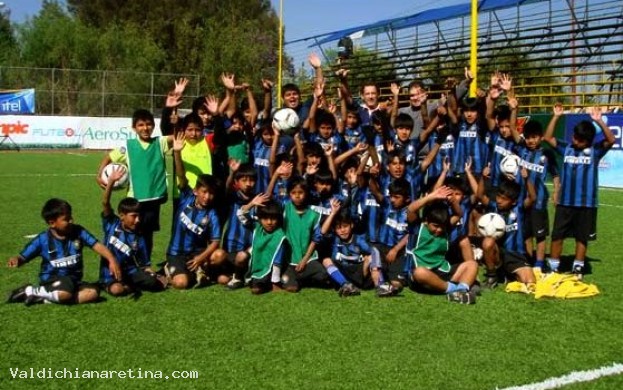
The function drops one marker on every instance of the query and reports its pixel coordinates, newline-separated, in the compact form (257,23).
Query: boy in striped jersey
(60,248)
(576,208)
(121,237)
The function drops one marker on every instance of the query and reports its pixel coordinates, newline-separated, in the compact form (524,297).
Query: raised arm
(609,138)
(267,87)
(514,106)
(551,126)
(116,174)
(441,193)
(335,208)
(180,172)
(395,90)
(252,104)
(228,105)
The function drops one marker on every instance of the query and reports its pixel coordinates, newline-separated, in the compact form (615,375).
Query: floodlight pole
(473,59)
(280,58)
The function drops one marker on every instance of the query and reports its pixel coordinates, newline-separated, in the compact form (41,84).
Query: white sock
(41,292)
(276,276)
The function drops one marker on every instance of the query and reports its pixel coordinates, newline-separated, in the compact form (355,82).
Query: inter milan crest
(77,244)
(512,217)
(204,221)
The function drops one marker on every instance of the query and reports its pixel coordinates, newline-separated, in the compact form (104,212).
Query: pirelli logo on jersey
(500,150)
(120,245)
(262,162)
(400,226)
(578,160)
(65,261)
(511,227)
(532,166)
(321,210)
(468,134)
(190,225)
(348,259)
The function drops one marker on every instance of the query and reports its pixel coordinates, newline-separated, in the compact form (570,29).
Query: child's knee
(86,295)
(116,289)
(241,260)
(327,262)
(180,282)
(223,279)
(218,257)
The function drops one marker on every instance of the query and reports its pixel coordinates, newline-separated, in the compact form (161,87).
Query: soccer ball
(510,165)
(492,225)
(108,170)
(286,120)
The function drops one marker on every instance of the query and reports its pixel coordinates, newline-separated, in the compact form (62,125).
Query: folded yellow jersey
(555,285)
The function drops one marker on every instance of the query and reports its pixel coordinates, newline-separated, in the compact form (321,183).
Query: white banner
(68,132)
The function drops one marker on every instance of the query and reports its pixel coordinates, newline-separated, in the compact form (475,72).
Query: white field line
(571,378)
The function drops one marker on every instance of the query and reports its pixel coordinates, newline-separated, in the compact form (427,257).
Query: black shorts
(263,284)
(354,273)
(577,222)
(139,280)
(394,271)
(314,275)
(177,265)
(446,276)
(149,213)
(65,283)
(512,261)
(536,224)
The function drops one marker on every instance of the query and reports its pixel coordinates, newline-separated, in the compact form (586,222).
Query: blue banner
(15,102)
(611,166)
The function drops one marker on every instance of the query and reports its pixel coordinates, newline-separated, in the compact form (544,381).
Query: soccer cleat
(462,297)
(201,278)
(18,295)
(235,284)
(348,289)
(386,290)
(32,300)
(492,281)
(578,271)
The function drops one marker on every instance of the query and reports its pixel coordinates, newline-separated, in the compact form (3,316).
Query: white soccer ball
(510,165)
(286,120)
(492,225)
(108,170)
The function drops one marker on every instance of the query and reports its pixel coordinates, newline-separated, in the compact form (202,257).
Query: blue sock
(463,287)
(553,264)
(451,288)
(336,275)
(539,263)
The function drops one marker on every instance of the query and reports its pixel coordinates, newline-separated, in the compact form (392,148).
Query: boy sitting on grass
(60,248)
(127,245)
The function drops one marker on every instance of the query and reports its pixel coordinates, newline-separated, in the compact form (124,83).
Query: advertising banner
(16,102)
(41,131)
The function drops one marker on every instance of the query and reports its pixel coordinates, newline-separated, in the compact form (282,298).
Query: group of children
(367,197)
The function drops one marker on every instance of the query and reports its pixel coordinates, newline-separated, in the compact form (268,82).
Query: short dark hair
(54,208)
(381,118)
(415,83)
(199,103)
(532,128)
(369,84)
(325,118)
(396,153)
(503,113)
(509,188)
(192,118)
(298,181)
(313,149)
(457,183)
(400,187)
(403,121)
(245,170)
(128,205)
(437,212)
(343,217)
(470,104)
(271,209)
(290,87)
(209,182)
(323,176)
(142,115)
(584,131)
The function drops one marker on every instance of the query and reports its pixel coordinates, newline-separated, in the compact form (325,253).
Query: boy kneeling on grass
(60,248)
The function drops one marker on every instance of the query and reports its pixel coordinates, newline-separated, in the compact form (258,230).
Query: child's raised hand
(311,169)
(506,82)
(173,100)
(178,141)
(211,104)
(328,149)
(495,79)
(243,87)
(233,164)
(486,172)
(267,85)
(259,200)
(389,146)
(332,107)
(318,90)
(468,74)
(595,113)
(341,73)
(468,164)
(314,60)
(395,89)
(117,173)
(558,109)
(494,93)
(335,205)
(228,81)
(375,169)
(513,103)
(442,193)
(285,169)
(361,147)
(180,86)
(446,164)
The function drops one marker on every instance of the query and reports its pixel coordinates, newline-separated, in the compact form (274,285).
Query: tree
(8,44)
